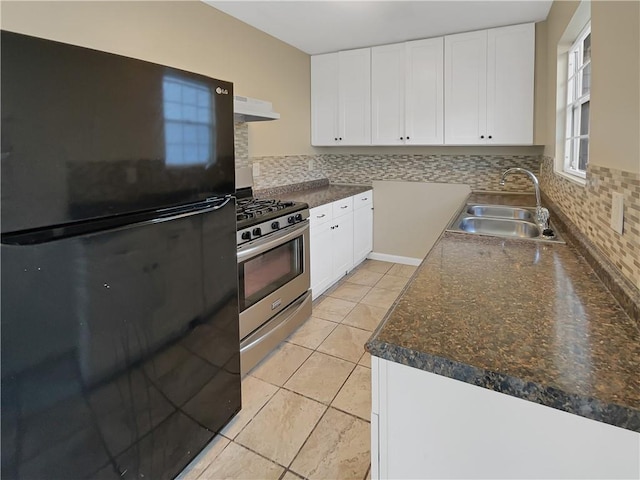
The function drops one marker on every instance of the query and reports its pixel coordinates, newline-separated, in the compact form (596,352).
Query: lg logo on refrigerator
(222,91)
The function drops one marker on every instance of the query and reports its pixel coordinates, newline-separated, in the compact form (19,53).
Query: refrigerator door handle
(187,214)
(53,234)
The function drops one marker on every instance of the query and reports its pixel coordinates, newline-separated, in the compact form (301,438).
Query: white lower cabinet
(334,244)
(342,240)
(321,248)
(426,426)
(362,226)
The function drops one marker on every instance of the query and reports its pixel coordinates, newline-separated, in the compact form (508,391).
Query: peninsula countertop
(319,195)
(524,318)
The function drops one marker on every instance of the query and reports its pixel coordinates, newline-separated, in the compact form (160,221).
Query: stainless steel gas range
(273,269)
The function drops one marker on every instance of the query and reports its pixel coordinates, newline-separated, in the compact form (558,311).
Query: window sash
(578,94)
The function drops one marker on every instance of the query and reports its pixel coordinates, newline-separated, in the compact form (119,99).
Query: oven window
(267,272)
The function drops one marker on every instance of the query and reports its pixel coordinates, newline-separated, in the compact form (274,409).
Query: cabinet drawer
(342,207)
(321,214)
(364,199)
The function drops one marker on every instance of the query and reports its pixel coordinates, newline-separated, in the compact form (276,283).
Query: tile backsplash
(481,172)
(241,134)
(589,208)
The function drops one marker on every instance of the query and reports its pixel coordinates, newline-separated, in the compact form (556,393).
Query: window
(187,122)
(576,151)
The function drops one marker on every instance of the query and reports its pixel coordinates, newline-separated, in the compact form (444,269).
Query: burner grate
(254,207)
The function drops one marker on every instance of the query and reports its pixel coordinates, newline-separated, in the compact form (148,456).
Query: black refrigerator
(119,314)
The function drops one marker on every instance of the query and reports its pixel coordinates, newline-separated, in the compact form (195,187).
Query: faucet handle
(542,217)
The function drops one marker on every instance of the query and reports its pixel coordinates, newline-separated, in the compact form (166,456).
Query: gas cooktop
(250,208)
(258,217)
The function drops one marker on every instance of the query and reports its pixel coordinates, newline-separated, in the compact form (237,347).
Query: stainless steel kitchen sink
(500,211)
(501,221)
(500,227)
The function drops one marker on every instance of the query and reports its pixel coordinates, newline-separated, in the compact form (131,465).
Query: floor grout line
(306,440)
(328,405)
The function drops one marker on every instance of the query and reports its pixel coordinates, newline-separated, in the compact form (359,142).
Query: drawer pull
(345,206)
(320,216)
(365,198)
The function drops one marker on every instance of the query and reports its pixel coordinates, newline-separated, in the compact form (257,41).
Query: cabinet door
(321,253)
(388,94)
(342,245)
(510,75)
(362,233)
(354,97)
(465,88)
(424,94)
(324,99)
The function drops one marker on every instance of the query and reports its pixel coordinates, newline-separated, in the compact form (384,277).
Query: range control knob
(299,217)
(291,219)
(275,225)
(257,231)
(246,235)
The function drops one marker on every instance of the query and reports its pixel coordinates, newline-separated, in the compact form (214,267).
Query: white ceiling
(328,26)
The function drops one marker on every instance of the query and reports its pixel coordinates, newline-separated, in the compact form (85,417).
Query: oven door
(273,272)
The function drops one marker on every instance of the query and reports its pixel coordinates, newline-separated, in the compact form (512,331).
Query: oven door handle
(272,242)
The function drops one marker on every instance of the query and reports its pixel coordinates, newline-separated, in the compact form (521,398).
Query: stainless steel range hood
(247,109)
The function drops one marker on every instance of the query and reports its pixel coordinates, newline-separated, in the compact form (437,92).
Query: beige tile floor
(306,407)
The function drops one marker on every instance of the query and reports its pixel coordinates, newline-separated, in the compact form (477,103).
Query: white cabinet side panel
(437,427)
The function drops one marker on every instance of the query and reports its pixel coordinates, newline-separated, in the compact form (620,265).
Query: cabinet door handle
(340,138)
(407,138)
(401,138)
(490,136)
(336,139)
(481,136)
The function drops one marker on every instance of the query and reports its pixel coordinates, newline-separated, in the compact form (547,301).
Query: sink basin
(501,221)
(500,227)
(500,211)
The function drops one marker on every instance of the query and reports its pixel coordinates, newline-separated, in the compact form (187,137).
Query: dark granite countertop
(527,319)
(322,195)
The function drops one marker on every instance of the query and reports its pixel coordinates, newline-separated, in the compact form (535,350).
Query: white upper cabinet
(488,86)
(510,78)
(465,87)
(472,88)
(424,99)
(324,99)
(387,94)
(354,96)
(341,98)
(407,93)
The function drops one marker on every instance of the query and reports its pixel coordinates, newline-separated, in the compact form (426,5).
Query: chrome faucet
(542,214)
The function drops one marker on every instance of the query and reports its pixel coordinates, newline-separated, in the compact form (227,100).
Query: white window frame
(575,99)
